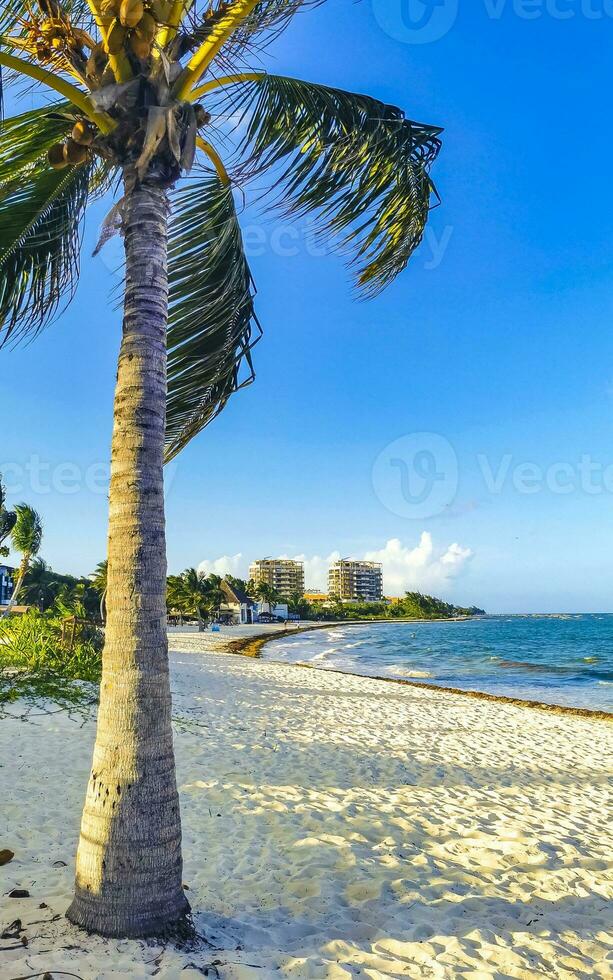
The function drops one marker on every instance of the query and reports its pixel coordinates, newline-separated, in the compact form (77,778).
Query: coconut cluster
(56,34)
(75,151)
(132,25)
(129,29)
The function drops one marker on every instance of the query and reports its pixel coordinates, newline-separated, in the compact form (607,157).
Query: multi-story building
(6,584)
(356,581)
(282,574)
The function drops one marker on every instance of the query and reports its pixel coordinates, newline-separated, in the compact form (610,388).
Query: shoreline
(251,646)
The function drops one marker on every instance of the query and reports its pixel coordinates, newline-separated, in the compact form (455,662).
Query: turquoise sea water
(562,660)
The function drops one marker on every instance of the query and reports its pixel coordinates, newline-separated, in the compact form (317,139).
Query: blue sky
(484,374)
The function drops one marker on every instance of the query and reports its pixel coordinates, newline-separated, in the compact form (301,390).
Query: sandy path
(336,826)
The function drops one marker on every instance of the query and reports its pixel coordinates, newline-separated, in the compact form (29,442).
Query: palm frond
(269,19)
(358,165)
(24,139)
(15,16)
(211,321)
(40,223)
(27,533)
(8,519)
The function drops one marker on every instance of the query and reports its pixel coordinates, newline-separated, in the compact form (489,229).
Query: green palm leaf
(25,139)
(8,519)
(357,164)
(211,320)
(27,534)
(266,21)
(40,221)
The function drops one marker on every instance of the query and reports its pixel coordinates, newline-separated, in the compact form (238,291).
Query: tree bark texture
(129,865)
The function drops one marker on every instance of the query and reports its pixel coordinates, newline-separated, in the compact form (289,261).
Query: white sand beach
(334,826)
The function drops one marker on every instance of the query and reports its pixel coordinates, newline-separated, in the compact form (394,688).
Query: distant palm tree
(26,538)
(195,594)
(39,588)
(268,595)
(99,583)
(144,89)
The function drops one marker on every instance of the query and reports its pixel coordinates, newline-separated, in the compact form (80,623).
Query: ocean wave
(565,662)
(398,671)
(326,654)
(559,669)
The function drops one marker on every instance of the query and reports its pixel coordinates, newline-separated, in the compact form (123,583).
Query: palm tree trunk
(128,877)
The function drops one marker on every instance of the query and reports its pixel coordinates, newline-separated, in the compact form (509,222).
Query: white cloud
(456,555)
(421,568)
(227,565)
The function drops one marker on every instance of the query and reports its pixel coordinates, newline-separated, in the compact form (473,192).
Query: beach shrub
(42,651)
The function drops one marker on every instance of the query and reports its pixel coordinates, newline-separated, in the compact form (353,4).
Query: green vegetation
(421,606)
(58,641)
(51,643)
(267,595)
(194,594)
(42,654)
(26,538)
(43,587)
(414,605)
(247,586)
(24,528)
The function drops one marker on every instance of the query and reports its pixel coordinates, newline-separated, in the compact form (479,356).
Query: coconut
(146,27)
(96,63)
(115,38)
(55,156)
(160,10)
(109,8)
(82,133)
(140,46)
(131,12)
(74,153)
